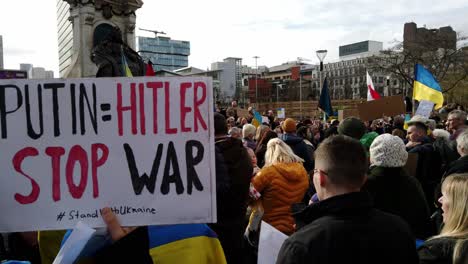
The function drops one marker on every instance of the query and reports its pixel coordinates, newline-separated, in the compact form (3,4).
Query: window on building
(352,80)
(381,79)
(395,82)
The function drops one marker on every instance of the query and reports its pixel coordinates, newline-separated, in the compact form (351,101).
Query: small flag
(372,94)
(425,87)
(125,69)
(149,69)
(325,102)
(257,119)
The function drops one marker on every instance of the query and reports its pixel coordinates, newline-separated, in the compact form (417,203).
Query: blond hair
(280,152)
(455,189)
(261,131)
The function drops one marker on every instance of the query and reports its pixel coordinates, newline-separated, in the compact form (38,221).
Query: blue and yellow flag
(425,87)
(257,119)
(193,243)
(126,70)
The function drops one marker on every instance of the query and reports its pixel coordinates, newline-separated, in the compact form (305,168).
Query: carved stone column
(86,15)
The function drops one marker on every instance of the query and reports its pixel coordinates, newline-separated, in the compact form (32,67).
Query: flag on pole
(425,87)
(257,118)
(149,69)
(325,101)
(372,94)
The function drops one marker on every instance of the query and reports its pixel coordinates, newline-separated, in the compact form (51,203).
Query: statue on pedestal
(109,55)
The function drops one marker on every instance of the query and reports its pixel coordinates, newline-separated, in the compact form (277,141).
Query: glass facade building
(64,35)
(1,52)
(164,53)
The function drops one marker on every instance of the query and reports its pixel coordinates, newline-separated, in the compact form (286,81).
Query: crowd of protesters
(383,191)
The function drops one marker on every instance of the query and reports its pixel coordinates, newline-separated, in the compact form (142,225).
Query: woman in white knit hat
(393,190)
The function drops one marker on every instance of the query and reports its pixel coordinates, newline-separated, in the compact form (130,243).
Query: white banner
(142,146)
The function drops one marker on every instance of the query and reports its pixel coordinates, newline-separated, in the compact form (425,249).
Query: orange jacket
(281,186)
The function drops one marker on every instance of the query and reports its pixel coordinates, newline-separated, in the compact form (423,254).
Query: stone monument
(92,22)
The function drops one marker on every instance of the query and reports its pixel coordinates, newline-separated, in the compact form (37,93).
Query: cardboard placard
(142,146)
(386,106)
(350,112)
(243,113)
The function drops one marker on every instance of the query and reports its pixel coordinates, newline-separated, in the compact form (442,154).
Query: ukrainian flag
(425,87)
(257,119)
(191,243)
(126,70)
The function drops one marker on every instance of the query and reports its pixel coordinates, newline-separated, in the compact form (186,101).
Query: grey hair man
(456,123)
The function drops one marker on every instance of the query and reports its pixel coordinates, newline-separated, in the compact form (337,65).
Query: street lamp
(321,54)
(256,77)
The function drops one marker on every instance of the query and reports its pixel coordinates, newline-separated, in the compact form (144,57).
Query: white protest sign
(265,120)
(75,243)
(425,108)
(269,244)
(142,146)
(281,113)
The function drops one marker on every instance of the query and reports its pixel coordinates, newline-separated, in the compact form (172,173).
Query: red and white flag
(372,94)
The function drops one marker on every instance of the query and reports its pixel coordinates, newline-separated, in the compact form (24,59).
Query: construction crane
(153,31)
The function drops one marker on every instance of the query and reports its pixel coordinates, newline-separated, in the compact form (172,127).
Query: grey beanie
(388,151)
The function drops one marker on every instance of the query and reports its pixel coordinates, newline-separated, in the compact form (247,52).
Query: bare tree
(449,66)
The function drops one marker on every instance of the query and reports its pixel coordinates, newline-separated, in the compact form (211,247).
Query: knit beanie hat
(388,151)
(368,138)
(352,127)
(289,125)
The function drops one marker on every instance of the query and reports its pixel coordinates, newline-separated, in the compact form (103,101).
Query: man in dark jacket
(233,174)
(297,144)
(343,227)
(460,165)
(428,168)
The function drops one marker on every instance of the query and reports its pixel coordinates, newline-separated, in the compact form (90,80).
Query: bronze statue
(107,55)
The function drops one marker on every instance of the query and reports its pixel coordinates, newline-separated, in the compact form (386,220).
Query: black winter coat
(458,166)
(428,170)
(299,148)
(233,175)
(347,229)
(394,192)
(440,251)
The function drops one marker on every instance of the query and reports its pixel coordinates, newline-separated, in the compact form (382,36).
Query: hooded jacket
(299,148)
(233,175)
(347,229)
(281,185)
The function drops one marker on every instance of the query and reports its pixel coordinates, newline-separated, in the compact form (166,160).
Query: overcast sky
(277,31)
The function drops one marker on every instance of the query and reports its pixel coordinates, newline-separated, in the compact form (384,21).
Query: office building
(64,35)
(1,52)
(28,68)
(360,49)
(164,53)
(425,39)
